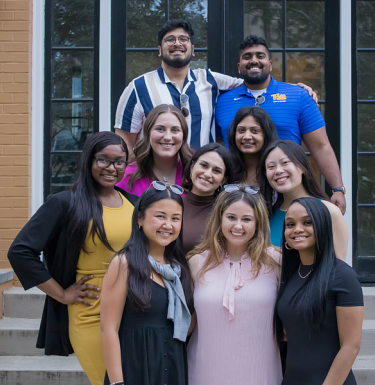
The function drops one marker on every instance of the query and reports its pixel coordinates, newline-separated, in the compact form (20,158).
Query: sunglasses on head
(157,185)
(241,187)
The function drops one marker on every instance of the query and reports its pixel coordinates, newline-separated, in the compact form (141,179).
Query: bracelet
(117,383)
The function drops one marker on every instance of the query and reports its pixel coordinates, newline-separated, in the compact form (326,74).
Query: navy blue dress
(149,353)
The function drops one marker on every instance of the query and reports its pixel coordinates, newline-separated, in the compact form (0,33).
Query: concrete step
(369,298)
(46,370)
(364,370)
(368,339)
(18,337)
(19,303)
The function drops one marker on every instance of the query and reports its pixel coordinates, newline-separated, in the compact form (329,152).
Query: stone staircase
(21,363)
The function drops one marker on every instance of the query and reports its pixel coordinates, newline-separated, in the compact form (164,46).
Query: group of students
(213,267)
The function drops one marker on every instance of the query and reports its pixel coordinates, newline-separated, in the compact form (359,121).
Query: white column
(37,106)
(346,114)
(105,66)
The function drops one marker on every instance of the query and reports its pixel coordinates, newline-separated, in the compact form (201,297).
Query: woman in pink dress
(235,272)
(161,154)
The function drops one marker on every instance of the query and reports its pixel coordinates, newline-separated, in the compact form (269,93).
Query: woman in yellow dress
(78,232)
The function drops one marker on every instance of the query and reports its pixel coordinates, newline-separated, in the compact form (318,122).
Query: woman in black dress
(147,296)
(320,302)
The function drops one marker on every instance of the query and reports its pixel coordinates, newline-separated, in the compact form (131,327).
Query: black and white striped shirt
(154,88)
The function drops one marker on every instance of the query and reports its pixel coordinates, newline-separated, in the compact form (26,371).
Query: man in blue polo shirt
(294,113)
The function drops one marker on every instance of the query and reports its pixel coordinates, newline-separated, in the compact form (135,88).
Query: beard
(256,78)
(177,62)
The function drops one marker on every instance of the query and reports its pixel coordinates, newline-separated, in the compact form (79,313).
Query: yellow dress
(84,321)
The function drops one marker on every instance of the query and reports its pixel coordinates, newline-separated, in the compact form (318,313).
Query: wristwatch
(340,189)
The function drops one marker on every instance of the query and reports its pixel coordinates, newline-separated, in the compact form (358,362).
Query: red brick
(6,98)
(6,15)
(6,224)
(6,36)
(13,128)
(6,139)
(21,202)
(15,191)
(16,67)
(6,182)
(16,108)
(21,119)
(22,57)
(6,78)
(15,47)
(22,16)
(7,58)
(20,161)
(6,203)
(15,25)
(6,119)
(19,223)
(17,5)
(21,78)
(10,234)
(21,98)
(4,245)
(15,150)
(6,161)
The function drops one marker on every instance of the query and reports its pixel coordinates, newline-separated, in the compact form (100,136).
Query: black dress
(149,353)
(310,353)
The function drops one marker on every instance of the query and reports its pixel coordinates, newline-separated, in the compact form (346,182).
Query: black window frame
(48,100)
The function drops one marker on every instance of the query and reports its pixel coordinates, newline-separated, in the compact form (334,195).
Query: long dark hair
(269,133)
(311,297)
(296,154)
(85,203)
(143,153)
(136,251)
(224,154)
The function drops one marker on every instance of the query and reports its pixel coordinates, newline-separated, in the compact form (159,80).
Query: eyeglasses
(241,187)
(170,40)
(184,100)
(161,186)
(260,99)
(104,163)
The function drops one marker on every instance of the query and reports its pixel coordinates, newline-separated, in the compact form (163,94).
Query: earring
(139,227)
(190,175)
(287,246)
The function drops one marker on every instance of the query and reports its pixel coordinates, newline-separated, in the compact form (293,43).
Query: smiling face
(238,225)
(176,55)
(109,176)
(282,174)
(299,230)
(162,222)
(249,136)
(166,135)
(207,174)
(255,66)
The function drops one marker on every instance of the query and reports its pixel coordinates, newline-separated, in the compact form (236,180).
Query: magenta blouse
(143,184)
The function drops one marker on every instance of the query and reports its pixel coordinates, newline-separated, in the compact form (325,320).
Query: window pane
(366,75)
(307,68)
(366,233)
(138,63)
(366,179)
(264,18)
(366,127)
(196,12)
(64,170)
(72,124)
(73,23)
(305,24)
(144,18)
(365,24)
(73,74)
(199,61)
(277,65)
(322,108)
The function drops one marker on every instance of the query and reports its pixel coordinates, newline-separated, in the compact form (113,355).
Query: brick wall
(15,120)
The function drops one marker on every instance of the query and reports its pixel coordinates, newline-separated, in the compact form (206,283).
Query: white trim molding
(105,66)
(37,105)
(346,115)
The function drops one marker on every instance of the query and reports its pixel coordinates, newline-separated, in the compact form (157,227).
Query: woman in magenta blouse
(162,153)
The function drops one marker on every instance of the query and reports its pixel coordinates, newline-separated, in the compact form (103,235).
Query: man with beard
(295,115)
(194,91)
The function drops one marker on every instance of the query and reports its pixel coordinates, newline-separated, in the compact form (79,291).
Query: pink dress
(143,184)
(233,343)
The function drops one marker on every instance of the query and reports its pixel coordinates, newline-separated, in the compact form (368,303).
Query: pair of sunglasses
(157,185)
(242,187)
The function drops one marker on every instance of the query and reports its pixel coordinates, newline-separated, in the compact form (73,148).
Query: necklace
(299,271)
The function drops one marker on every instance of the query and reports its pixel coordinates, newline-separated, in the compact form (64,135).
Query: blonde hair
(214,239)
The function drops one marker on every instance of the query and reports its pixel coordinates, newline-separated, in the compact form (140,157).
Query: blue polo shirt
(292,110)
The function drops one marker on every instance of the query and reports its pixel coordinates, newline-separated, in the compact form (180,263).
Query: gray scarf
(178,311)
